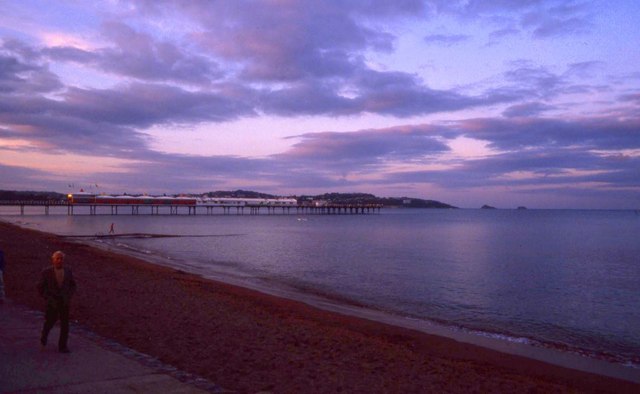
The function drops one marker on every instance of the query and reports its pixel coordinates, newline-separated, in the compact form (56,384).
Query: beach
(249,341)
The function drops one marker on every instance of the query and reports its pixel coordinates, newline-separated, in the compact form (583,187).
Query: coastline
(525,347)
(250,341)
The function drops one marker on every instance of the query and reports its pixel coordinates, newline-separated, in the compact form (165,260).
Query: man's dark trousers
(56,309)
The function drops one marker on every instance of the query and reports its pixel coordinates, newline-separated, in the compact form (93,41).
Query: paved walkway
(95,364)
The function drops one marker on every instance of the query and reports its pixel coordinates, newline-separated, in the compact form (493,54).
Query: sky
(508,103)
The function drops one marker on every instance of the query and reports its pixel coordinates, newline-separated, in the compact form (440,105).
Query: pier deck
(196,209)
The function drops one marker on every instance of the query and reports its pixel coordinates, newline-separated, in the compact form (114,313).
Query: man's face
(57,260)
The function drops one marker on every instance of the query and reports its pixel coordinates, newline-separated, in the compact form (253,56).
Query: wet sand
(248,341)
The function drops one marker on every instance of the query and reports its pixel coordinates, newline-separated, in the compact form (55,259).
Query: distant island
(335,198)
(490,207)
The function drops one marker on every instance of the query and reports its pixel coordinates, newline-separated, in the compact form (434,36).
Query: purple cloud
(138,55)
(543,168)
(503,32)
(143,105)
(22,73)
(13,177)
(447,40)
(559,19)
(292,41)
(519,133)
(526,110)
(367,147)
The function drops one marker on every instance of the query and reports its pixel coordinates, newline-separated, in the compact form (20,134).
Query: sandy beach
(249,341)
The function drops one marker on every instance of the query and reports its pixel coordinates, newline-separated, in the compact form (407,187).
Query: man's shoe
(64,350)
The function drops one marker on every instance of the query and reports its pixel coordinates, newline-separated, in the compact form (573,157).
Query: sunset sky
(470,102)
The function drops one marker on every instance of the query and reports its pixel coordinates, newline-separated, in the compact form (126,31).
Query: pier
(194,209)
(46,204)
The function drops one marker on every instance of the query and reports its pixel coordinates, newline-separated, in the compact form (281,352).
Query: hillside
(30,195)
(343,198)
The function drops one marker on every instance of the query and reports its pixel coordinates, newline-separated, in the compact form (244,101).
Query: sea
(567,280)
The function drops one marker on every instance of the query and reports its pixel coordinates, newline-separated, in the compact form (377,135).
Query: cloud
(40,122)
(143,105)
(526,81)
(584,70)
(71,54)
(22,73)
(530,153)
(289,41)
(397,94)
(35,106)
(141,56)
(503,32)
(541,18)
(526,110)
(536,170)
(13,177)
(367,147)
(340,83)
(367,91)
(303,55)
(539,80)
(446,40)
(109,121)
(558,19)
(522,133)
(401,94)
(633,98)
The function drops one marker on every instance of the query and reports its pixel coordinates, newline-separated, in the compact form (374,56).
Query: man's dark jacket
(49,289)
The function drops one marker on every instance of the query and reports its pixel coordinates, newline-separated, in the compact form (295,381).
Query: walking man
(57,286)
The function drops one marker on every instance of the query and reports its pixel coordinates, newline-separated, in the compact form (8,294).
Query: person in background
(1,277)
(57,286)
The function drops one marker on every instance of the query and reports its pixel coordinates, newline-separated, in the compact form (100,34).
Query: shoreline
(503,343)
(284,345)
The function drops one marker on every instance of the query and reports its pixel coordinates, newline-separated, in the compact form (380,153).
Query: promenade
(95,364)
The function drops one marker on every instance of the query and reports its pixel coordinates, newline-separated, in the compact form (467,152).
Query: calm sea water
(560,278)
